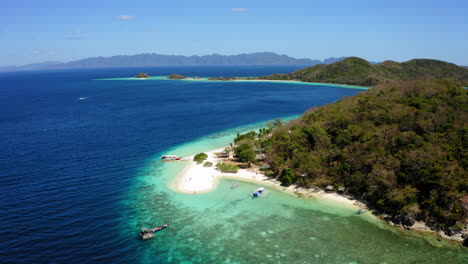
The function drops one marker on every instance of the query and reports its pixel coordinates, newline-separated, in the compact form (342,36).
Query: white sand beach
(198,179)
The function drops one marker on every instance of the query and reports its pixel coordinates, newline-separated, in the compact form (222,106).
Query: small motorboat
(258,192)
(170,158)
(234,186)
(146,233)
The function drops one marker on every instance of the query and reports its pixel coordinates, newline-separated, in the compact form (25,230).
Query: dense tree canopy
(176,76)
(142,75)
(357,71)
(400,146)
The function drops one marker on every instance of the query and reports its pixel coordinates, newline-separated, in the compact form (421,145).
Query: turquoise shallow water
(227,226)
(205,79)
(80,170)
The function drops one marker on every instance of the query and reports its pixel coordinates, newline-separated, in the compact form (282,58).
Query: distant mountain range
(153,59)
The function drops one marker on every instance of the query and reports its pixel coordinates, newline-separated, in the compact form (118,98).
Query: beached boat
(258,192)
(146,233)
(360,211)
(170,157)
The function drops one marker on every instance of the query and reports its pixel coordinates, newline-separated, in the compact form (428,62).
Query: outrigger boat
(234,186)
(170,157)
(258,192)
(146,233)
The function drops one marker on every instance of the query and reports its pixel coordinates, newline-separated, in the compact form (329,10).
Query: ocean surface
(80,175)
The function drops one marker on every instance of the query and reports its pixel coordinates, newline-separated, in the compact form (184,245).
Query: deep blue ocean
(79,174)
(66,165)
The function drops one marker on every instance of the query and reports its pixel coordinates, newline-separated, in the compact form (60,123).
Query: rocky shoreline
(399,221)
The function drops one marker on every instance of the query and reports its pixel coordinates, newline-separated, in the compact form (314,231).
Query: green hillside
(357,71)
(401,146)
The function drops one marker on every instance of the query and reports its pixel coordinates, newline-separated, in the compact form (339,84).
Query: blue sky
(61,30)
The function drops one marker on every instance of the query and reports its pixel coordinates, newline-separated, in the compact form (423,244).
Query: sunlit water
(228,226)
(80,175)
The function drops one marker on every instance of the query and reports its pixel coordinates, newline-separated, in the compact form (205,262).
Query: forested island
(357,71)
(142,75)
(176,76)
(401,147)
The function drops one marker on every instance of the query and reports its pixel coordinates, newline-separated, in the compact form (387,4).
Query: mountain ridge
(155,59)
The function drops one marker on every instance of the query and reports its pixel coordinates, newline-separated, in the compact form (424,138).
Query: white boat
(258,192)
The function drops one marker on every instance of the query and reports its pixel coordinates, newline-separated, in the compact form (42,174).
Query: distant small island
(176,76)
(142,75)
(231,78)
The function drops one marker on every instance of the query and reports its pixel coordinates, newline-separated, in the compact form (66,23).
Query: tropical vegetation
(225,167)
(142,75)
(357,71)
(401,147)
(200,157)
(176,76)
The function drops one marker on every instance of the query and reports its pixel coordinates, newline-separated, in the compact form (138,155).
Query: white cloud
(75,38)
(76,34)
(43,52)
(125,17)
(239,9)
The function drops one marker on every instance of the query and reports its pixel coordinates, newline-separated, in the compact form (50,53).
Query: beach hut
(303,175)
(223,154)
(265,166)
(260,156)
(341,189)
(329,188)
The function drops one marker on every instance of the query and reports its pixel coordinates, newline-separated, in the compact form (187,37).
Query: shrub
(200,157)
(288,177)
(208,164)
(223,167)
